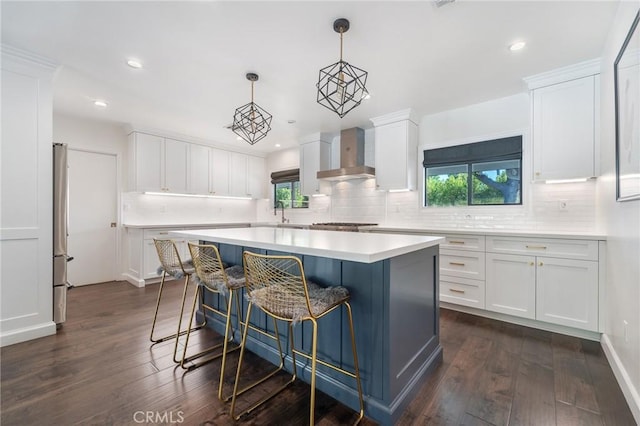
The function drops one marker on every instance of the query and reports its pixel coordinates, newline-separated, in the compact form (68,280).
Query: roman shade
(492,150)
(292,175)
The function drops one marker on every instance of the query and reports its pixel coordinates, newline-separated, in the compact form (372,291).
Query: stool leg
(197,294)
(314,348)
(227,328)
(179,332)
(155,315)
(355,361)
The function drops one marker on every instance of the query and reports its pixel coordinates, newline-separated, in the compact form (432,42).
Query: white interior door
(92,211)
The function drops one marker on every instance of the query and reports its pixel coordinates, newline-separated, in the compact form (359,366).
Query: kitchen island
(393,282)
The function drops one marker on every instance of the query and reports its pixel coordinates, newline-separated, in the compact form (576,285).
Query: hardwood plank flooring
(100,369)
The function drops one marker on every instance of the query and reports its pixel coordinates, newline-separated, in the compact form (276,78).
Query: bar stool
(211,276)
(172,265)
(277,285)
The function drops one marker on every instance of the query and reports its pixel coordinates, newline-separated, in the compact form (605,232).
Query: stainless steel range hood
(351,158)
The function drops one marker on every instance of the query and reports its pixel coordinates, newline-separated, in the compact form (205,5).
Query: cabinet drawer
(460,263)
(464,242)
(462,291)
(157,233)
(568,249)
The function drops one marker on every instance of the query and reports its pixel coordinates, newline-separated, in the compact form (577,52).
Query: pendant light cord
(341,32)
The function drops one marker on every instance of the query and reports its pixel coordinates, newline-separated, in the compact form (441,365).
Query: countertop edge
(492,232)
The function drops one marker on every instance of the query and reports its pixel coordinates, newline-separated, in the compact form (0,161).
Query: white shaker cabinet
(511,285)
(556,281)
(199,165)
(219,172)
(315,156)
(565,122)
(247,176)
(396,151)
(157,164)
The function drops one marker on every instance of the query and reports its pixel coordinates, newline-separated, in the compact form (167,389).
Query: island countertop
(351,246)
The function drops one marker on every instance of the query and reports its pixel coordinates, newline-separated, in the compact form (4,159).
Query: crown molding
(558,75)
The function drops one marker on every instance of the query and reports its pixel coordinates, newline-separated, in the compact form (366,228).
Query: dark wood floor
(100,369)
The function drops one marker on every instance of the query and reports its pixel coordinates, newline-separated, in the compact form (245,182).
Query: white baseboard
(133,280)
(27,333)
(628,389)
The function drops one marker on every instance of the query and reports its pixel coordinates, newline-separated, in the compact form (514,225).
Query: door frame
(119,229)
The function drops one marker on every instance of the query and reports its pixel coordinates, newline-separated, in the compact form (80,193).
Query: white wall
(26,229)
(357,200)
(622,225)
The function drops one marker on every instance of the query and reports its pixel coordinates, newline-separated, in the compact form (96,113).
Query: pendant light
(251,122)
(341,86)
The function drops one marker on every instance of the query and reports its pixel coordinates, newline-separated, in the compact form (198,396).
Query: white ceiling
(196,55)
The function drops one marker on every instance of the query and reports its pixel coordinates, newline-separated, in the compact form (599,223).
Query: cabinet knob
(537,173)
(540,264)
(531,263)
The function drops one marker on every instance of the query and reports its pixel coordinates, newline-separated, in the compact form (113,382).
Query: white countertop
(186,225)
(575,235)
(352,246)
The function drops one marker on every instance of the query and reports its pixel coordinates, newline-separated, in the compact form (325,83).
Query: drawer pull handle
(456,242)
(454,290)
(163,233)
(456,263)
(537,247)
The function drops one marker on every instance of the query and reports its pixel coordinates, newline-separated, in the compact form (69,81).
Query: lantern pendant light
(251,122)
(341,86)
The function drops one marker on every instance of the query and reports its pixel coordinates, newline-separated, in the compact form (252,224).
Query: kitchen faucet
(281,204)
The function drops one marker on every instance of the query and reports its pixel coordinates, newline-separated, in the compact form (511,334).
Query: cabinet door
(149,159)
(256,178)
(396,155)
(567,292)
(175,163)
(511,284)
(314,157)
(198,169)
(563,130)
(238,175)
(151,261)
(219,172)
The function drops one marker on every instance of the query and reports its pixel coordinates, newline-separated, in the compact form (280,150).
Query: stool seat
(295,308)
(213,278)
(178,271)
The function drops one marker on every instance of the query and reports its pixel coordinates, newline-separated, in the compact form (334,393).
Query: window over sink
(286,189)
(481,173)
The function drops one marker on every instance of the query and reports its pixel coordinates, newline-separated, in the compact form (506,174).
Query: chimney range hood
(351,158)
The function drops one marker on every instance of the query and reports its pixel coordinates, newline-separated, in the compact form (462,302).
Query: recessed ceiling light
(277,145)
(134,63)
(517,46)
(100,103)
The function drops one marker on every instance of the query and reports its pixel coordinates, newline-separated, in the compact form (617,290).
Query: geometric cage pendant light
(251,122)
(341,86)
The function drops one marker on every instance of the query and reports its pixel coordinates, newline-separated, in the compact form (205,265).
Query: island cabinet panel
(395,314)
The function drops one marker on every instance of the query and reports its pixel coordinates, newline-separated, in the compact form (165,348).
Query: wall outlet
(625,331)
(563,205)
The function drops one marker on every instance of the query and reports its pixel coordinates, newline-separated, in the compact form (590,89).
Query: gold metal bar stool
(172,265)
(211,275)
(277,285)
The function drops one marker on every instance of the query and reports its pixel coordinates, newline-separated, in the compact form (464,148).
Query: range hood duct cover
(351,158)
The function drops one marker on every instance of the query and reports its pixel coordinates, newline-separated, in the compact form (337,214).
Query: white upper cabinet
(219,172)
(565,111)
(199,169)
(157,164)
(256,177)
(396,151)
(238,175)
(315,156)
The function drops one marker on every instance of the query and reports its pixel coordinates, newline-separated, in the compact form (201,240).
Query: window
(481,173)
(286,189)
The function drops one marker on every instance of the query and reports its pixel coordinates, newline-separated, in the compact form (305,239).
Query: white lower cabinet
(567,292)
(511,285)
(555,285)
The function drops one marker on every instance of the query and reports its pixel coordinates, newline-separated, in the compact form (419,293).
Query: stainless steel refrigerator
(60,229)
